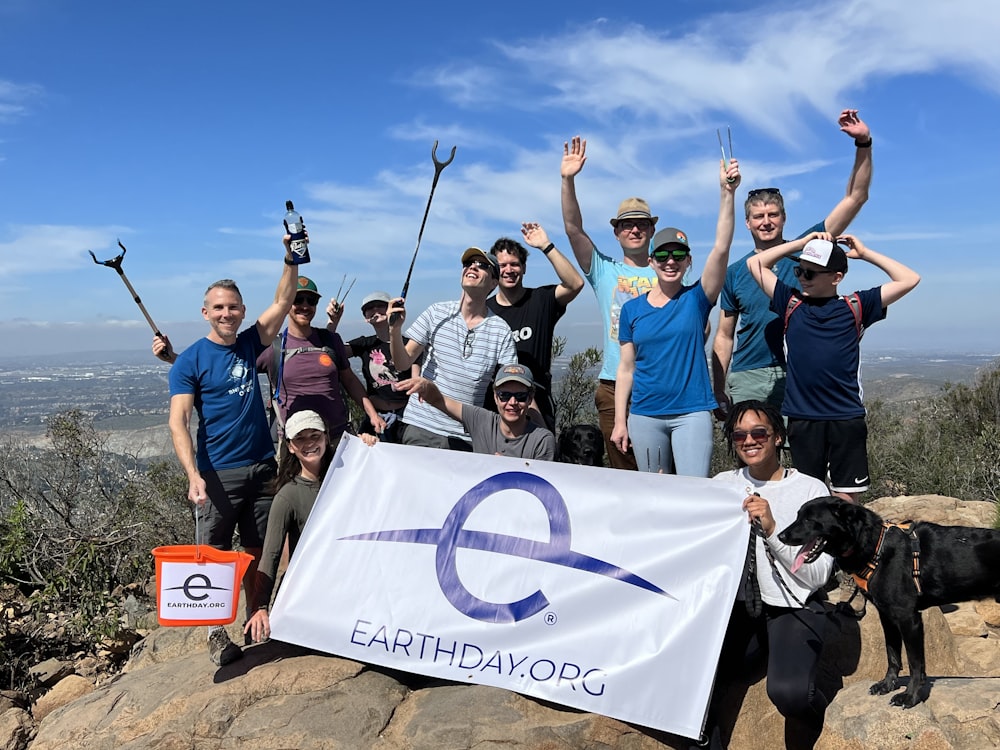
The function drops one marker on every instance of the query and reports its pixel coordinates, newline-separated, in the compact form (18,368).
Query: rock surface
(281,696)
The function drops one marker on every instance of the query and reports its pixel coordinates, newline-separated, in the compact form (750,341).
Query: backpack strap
(793,302)
(853,301)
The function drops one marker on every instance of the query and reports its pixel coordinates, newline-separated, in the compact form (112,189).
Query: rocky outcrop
(281,696)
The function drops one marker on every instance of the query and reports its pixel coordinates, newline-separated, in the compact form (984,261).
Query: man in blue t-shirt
(614,281)
(234,460)
(756,368)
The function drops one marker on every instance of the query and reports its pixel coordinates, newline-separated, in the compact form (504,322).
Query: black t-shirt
(377,368)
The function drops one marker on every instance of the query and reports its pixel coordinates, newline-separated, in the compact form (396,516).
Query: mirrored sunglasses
(677,253)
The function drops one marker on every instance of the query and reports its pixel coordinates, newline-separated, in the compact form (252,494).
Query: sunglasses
(662,256)
(641,224)
(306,299)
(807,273)
(763,191)
(759,434)
(520,396)
(482,264)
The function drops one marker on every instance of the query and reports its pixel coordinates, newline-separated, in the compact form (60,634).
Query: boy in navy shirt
(823,395)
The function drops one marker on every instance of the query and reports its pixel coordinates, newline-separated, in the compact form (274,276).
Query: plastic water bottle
(295,228)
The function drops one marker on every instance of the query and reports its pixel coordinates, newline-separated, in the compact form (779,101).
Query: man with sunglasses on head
(508,432)
(463,343)
(614,282)
(755,367)
(308,366)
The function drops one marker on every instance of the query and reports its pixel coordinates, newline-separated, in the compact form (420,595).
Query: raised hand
(574,157)
(853,125)
(729,176)
(534,235)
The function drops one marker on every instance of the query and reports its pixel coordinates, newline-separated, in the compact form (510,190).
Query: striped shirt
(460,360)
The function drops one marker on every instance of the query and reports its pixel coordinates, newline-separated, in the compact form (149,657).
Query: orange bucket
(197,584)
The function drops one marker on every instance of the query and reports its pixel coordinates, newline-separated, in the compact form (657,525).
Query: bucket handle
(197,535)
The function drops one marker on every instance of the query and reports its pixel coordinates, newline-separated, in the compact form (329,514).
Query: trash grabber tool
(438,168)
(116,263)
(725,161)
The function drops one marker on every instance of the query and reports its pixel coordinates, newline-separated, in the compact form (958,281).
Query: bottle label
(300,251)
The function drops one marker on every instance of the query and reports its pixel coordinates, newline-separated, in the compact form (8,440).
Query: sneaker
(221,650)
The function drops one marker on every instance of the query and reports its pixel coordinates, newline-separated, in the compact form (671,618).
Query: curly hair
(769,412)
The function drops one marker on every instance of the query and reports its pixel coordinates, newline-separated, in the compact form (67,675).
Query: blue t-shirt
(232,424)
(615,283)
(759,339)
(824,353)
(671,369)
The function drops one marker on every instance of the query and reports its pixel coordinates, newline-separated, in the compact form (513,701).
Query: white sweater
(785,496)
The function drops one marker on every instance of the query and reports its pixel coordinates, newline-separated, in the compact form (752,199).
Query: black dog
(907,568)
(581,444)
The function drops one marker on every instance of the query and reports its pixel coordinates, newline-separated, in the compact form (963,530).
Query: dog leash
(758,530)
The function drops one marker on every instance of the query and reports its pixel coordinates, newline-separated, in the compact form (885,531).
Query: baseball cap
(375,297)
(475,252)
(825,253)
(307,285)
(633,208)
(669,236)
(514,373)
(303,420)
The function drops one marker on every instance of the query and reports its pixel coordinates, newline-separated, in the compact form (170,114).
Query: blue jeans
(676,443)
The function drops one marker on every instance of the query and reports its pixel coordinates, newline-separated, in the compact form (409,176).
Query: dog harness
(865,575)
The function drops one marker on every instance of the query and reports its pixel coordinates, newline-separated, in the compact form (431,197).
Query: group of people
(474,374)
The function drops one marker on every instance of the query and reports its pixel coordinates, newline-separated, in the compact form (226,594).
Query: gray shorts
(763,384)
(237,499)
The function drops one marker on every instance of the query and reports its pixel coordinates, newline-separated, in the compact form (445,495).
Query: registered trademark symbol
(550,618)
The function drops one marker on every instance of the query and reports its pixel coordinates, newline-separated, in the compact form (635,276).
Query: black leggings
(793,639)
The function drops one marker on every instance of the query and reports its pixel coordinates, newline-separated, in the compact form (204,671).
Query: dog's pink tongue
(800,558)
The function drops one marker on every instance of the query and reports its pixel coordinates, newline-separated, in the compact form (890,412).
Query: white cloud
(15,99)
(765,65)
(56,248)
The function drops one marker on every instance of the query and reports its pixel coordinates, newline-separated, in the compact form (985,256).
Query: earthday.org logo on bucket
(198,585)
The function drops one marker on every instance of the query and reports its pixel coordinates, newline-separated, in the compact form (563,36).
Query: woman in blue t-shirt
(663,367)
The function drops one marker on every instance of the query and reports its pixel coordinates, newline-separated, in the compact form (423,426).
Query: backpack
(281,354)
(853,301)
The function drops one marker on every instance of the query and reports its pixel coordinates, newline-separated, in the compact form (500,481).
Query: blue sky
(181,128)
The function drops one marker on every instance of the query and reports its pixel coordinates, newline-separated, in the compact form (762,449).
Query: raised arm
(403,355)
(269,322)
(760,264)
(714,274)
(429,392)
(574,157)
(903,278)
(861,174)
(570,281)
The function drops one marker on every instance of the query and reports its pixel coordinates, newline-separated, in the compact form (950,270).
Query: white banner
(604,590)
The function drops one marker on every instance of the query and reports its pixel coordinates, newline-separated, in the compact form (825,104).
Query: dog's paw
(906,699)
(883,687)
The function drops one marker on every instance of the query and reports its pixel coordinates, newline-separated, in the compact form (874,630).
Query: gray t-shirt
(484,429)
